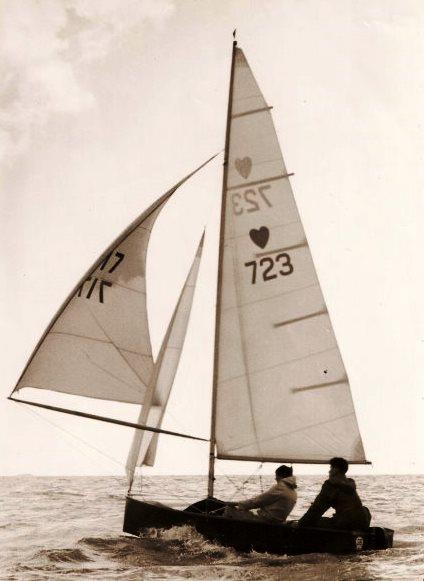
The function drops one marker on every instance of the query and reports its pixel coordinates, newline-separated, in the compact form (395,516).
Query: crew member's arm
(264,499)
(321,503)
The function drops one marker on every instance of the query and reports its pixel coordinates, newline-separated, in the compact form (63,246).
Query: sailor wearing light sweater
(274,505)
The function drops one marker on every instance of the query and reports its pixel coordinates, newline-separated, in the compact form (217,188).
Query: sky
(106,104)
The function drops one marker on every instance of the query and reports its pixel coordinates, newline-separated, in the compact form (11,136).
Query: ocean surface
(56,526)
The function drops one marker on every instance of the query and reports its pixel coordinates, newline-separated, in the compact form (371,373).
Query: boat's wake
(180,552)
(188,543)
(158,547)
(184,545)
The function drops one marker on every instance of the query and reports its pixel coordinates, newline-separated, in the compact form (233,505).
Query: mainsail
(282,393)
(144,444)
(98,344)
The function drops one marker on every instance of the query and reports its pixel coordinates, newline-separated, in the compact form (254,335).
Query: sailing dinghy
(280,389)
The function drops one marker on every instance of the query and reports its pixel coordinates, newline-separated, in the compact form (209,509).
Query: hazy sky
(105,105)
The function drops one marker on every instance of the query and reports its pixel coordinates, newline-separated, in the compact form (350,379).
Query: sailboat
(280,389)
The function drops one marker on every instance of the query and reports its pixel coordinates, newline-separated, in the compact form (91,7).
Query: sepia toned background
(105,105)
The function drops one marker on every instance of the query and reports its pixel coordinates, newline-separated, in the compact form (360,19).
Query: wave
(64,555)
(104,553)
(411,529)
(53,493)
(155,548)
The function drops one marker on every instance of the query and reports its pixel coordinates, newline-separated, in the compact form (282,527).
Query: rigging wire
(183,426)
(261,484)
(75,437)
(240,487)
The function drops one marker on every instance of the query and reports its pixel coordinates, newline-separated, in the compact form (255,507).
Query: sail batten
(277,355)
(299,319)
(320,385)
(285,248)
(262,181)
(251,112)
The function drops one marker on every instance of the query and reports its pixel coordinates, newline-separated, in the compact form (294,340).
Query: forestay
(98,344)
(282,389)
(144,445)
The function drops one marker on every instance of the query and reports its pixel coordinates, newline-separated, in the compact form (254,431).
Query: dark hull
(258,536)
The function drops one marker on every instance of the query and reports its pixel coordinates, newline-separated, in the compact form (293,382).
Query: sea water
(52,526)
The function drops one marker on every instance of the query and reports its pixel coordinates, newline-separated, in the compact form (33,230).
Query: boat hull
(258,536)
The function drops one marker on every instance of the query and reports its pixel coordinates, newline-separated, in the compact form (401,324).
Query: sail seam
(134,352)
(129,289)
(283,364)
(333,448)
(96,365)
(78,336)
(280,294)
(263,181)
(337,440)
(282,434)
(127,363)
(100,341)
(323,423)
(257,94)
(251,112)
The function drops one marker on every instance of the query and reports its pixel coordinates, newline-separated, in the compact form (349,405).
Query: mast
(211,476)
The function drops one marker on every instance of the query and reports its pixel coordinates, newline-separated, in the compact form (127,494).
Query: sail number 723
(251,200)
(266,265)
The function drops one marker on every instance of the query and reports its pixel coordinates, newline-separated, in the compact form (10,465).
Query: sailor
(338,492)
(274,505)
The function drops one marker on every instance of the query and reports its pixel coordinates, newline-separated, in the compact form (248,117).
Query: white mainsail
(144,444)
(98,345)
(282,392)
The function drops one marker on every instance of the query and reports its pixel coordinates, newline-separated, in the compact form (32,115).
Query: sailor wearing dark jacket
(338,492)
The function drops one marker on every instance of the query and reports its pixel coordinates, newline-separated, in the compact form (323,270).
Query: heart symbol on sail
(260,237)
(244,166)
